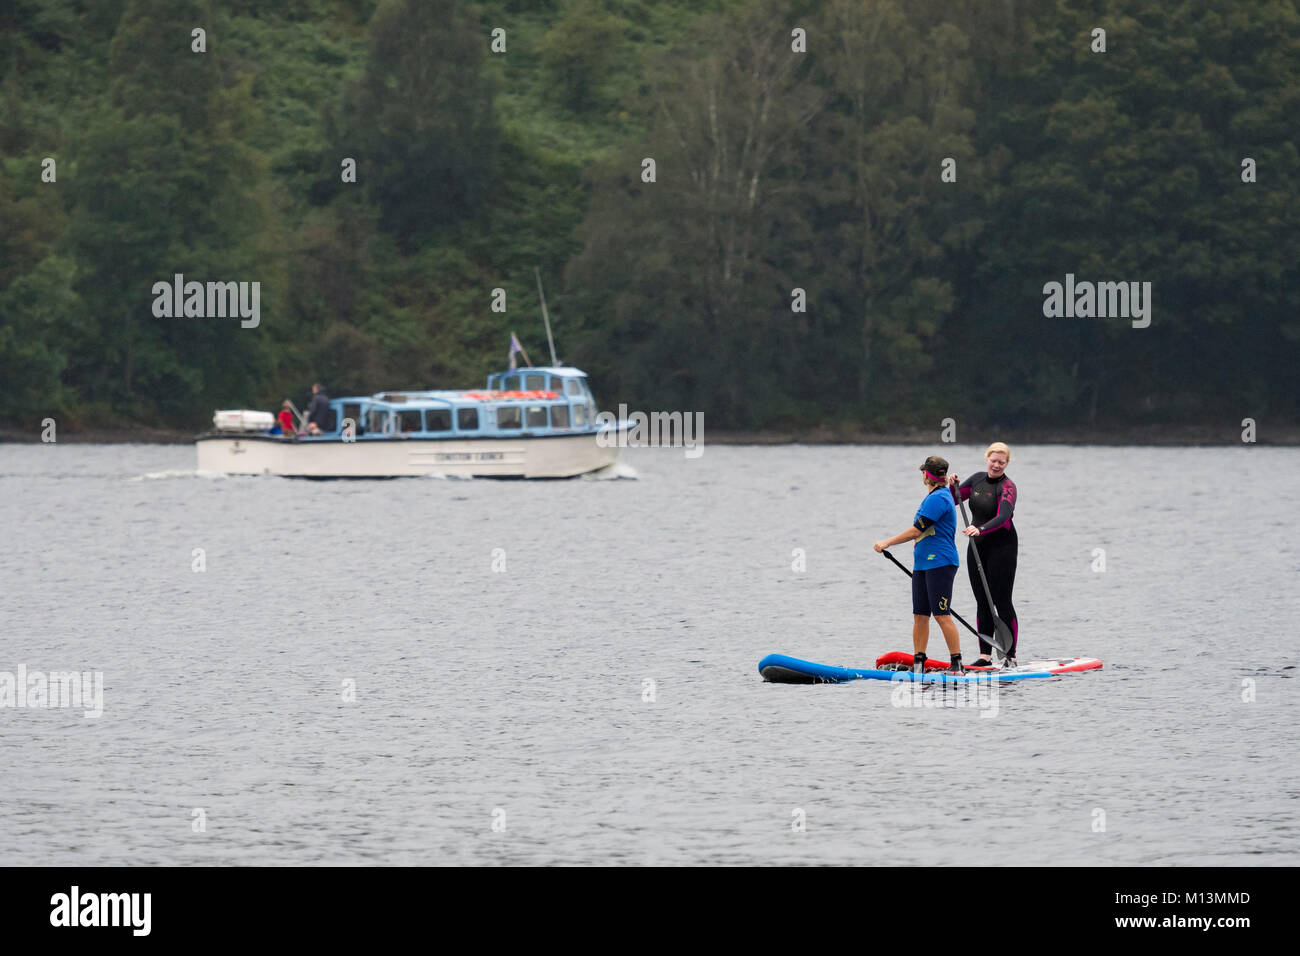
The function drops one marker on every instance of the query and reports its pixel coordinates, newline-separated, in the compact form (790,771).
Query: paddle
(302,419)
(950,610)
(1001,638)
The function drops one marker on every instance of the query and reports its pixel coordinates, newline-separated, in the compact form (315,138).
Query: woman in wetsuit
(992,503)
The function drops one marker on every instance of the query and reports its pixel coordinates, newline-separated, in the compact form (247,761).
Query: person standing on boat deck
(992,503)
(318,411)
(934,565)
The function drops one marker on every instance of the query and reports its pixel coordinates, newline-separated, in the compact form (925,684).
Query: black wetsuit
(992,503)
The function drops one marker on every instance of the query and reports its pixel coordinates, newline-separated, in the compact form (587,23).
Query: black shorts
(932,591)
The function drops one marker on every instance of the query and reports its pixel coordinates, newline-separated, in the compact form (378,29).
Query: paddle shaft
(302,419)
(950,610)
(1000,638)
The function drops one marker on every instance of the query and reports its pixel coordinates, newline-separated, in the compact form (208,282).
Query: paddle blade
(1002,637)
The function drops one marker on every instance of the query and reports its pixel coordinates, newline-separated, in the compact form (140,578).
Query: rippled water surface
(591,687)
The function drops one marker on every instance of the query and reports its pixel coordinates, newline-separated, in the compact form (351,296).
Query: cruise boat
(527,423)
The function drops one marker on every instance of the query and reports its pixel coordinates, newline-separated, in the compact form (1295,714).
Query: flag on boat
(515,347)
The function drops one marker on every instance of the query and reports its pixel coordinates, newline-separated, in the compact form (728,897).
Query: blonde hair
(998,446)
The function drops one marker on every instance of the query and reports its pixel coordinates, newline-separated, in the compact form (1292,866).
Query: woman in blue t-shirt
(934,564)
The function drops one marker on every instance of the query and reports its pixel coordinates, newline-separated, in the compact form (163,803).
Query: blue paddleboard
(780,669)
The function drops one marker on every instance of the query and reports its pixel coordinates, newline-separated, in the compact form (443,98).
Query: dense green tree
(687,277)
(1127,166)
(902,83)
(166,185)
(580,51)
(41,313)
(420,121)
(781,171)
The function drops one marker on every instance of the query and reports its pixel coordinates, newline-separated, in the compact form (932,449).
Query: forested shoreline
(855,209)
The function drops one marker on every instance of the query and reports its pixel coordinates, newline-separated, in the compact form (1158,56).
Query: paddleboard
(1054,665)
(781,669)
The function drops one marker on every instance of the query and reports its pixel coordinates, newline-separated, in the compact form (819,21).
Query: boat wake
(175,473)
(612,472)
(184,473)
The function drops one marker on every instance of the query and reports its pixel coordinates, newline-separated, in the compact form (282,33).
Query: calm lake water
(575,662)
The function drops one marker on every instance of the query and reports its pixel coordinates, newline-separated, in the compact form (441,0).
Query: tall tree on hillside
(579,51)
(419,122)
(903,87)
(166,184)
(780,171)
(686,272)
(39,312)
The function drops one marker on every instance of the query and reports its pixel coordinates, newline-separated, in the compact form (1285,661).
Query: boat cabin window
(437,419)
(352,410)
(559,416)
(377,422)
(579,414)
(536,416)
(509,383)
(408,421)
(508,416)
(467,419)
(572,386)
(534,382)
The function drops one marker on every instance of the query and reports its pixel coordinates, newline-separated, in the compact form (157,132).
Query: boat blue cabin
(521,403)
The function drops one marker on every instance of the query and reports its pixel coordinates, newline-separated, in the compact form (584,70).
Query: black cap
(936,466)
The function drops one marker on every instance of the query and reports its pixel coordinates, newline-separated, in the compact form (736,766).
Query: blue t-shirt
(937,521)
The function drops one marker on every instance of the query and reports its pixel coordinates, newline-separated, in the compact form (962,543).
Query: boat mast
(546,318)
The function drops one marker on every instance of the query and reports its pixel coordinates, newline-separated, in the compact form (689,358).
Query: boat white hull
(561,456)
